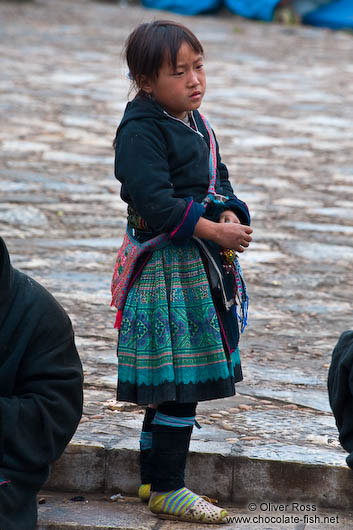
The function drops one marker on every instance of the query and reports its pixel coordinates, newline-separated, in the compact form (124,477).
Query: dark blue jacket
(40,391)
(163,167)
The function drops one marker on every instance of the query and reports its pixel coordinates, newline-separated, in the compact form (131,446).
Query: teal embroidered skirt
(170,342)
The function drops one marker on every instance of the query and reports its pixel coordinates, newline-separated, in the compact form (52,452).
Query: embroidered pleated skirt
(172,341)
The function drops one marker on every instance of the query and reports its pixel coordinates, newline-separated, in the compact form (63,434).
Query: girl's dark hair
(151,43)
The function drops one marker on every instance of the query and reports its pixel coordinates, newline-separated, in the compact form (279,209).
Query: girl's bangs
(174,41)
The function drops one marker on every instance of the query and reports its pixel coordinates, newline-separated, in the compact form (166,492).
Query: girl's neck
(186,118)
(146,95)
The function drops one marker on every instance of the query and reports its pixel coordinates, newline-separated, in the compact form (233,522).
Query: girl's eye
(178,74)
(199,67)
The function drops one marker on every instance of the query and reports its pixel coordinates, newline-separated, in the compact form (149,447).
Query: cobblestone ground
(280,100)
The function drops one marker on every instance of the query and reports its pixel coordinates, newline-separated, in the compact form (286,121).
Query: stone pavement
(280,100)
(127,513)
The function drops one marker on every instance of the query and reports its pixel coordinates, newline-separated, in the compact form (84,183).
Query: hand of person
(233,235)
(228,233)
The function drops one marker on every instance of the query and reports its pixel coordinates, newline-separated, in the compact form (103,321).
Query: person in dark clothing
(340,389)
(40,391)
(177,280)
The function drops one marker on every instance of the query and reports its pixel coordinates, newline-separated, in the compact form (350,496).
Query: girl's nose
(193,78)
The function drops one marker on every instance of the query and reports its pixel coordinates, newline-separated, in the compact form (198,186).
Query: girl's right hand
(233,235)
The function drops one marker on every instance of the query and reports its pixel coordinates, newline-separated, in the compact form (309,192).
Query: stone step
(234,479)
(94,512)
(99,512)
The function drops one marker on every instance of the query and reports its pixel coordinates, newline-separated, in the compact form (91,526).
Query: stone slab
(216,472)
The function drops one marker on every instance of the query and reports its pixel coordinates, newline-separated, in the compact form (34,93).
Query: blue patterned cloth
(171,343)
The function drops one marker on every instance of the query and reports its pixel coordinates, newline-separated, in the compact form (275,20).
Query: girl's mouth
(195,95)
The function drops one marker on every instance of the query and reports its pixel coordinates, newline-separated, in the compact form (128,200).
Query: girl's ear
(144,84)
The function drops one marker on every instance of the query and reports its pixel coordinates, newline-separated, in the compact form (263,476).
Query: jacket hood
(140,108)
(6,276)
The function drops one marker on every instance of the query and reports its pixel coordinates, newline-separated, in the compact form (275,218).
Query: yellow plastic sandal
(200,512)
(144,492)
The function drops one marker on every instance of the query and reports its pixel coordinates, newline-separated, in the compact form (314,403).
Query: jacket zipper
(183,122)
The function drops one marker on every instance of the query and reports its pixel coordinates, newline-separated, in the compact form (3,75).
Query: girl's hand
(233,235)
(228,216)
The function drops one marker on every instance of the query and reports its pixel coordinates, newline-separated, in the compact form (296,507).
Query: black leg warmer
(170,446)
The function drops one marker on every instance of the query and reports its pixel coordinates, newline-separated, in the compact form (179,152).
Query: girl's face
(180,90)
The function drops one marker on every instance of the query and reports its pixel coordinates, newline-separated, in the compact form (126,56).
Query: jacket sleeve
(236,205)
(141,165)
(340,390)
(39,419)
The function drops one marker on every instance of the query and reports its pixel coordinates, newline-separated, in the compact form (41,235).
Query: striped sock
(173,421)
(145,440)
(176,502)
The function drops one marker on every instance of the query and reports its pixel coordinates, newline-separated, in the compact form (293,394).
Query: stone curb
(233,479)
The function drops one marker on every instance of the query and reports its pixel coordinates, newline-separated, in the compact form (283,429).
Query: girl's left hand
(228,216)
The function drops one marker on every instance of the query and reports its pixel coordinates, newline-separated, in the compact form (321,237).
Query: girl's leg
(145,451)
(172,428)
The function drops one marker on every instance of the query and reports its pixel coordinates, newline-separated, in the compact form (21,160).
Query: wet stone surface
(280,102)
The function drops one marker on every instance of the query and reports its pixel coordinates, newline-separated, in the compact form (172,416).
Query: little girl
(174,284)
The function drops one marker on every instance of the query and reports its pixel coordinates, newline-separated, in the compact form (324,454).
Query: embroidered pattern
(170,330)
(126,259)
(212,168)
